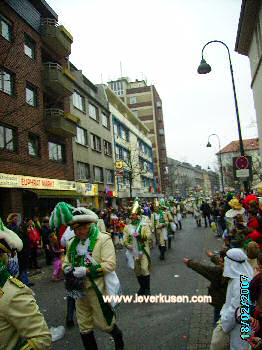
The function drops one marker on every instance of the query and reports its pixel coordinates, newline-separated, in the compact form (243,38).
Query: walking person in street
(137,237)
(206,212)
(22,326)
(90,258)
(160,223)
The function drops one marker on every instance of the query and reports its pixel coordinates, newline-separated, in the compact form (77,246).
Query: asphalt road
(145,326)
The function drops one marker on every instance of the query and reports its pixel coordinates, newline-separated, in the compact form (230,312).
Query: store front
(31,196)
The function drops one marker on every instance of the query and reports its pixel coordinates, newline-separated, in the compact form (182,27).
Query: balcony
(56,37)
(57,80)
(58,123)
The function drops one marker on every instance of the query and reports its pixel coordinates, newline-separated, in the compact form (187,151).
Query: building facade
(146,104)
(232,150)
(132,151)
(35,82)
(92,146)
(249,43)
(185,178)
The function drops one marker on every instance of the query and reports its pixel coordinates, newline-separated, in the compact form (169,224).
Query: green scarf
(4,274)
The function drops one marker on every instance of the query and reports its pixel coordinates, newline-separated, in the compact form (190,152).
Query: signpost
(242,167)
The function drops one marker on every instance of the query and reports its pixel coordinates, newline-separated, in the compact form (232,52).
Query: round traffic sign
(242,162)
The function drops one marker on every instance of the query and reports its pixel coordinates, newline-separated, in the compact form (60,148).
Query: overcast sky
(162,41)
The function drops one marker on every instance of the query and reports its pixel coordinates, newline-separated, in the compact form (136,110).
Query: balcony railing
(56,37)
(56,80)
(56,123)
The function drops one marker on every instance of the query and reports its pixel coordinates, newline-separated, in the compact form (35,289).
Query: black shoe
(70,324)
(118,338)
(89,341)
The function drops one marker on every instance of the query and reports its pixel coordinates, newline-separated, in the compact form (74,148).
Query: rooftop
(233,147)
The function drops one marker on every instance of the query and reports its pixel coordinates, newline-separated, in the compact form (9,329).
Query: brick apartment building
(146,104)
(35,140)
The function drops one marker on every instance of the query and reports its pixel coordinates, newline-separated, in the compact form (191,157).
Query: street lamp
(205,68)
(220,159)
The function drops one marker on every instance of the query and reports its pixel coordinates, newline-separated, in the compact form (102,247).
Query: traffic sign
(242,167)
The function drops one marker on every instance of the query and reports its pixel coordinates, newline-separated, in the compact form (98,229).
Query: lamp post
(220,159)
(205,68)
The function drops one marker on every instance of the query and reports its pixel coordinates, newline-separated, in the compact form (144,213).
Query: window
(98,174)
(132,100)
(5,28)
(78,101)
(109,177)
(96,143)
(135,112)
(33,145)
(107,148)
(29,47)
(81,136)
(116,129)
(6,82)
(93,112)
(118,153)
(125,155)
(105,121)
(31,95)
(7,138)
(83,171)
(56,152)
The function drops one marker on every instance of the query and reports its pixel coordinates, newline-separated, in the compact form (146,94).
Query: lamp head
(209,144)
(204,67)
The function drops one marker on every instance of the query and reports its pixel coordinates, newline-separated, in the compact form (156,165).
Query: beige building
(146,104)
(232,150)
(132,151)
(92,146)
(249,43)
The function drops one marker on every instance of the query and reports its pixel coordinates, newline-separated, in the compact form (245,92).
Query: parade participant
(137,235)
(197,211)
(22,326)
(89,259)
(235,265)
(160,224)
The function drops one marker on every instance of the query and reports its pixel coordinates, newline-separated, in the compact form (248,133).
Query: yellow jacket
(20,318)
(103,254)
(145,235)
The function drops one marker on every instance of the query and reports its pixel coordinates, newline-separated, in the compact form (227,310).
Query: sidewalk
(202,315)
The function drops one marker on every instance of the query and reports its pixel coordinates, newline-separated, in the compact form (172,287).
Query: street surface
(148,326)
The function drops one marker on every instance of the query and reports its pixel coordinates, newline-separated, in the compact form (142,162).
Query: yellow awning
(57,194)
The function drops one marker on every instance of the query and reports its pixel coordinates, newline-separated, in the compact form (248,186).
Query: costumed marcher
(22,326)
(89,263)
(197,211)
(137,235)
(160,223)
(235,265)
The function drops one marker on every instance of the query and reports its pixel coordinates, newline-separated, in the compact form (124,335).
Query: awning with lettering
(56,194)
